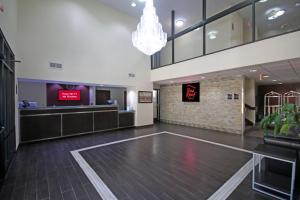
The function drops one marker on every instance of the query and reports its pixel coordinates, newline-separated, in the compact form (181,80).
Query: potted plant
(283,124)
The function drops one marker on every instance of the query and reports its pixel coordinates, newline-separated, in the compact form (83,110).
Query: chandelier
(149,37)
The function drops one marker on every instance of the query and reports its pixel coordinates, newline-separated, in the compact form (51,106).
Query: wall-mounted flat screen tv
(191,92)
(69,95)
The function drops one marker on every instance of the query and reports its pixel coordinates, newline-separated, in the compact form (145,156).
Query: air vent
(56,65)
(131,75)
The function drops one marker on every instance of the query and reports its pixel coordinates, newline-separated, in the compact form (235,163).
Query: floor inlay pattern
(145,167)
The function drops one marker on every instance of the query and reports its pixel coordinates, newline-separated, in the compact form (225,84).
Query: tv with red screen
(191,92)
(69,95)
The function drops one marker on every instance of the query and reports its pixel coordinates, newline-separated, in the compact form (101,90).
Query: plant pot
(283,141)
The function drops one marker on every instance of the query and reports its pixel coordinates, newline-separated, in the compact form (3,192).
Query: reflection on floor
(47,170)
(255,131)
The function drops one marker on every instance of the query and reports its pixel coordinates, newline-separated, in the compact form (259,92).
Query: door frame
(157,104)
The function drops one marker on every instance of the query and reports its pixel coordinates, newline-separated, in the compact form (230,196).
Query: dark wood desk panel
(77,123)
(126,119)
(40,127)
(107,120)
(48,123)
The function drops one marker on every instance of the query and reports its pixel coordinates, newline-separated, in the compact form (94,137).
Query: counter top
(68,107)
(126,111)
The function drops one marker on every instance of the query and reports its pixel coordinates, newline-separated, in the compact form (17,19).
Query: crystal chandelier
(149,37)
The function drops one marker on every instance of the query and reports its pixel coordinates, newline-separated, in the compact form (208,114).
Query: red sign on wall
(69,95)
(191,92)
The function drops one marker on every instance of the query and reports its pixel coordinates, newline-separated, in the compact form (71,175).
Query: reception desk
(55,122)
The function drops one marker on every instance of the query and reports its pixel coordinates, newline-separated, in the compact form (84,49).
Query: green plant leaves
(282,121)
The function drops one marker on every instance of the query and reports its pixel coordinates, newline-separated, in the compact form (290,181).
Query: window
(276,17)
(189,45)
(165,55)
(229,31)
(215,6)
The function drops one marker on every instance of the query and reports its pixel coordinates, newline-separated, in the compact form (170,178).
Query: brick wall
(213,111)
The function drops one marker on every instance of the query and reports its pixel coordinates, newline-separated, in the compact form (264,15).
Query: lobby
(101,100)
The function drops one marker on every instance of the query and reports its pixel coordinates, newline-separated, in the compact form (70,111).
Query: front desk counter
(55,122)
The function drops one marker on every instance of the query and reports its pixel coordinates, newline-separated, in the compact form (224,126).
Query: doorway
(7,106)
(102,97)
(156,105)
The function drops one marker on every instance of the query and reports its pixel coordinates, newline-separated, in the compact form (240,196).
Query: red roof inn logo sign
(69,95)
(191,92)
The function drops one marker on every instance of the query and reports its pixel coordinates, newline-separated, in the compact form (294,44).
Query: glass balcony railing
(219,25)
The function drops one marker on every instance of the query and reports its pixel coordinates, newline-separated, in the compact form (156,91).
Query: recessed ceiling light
(212,34)
(179,23)
(266,76)
(280,83)
(253,70)
(262,1)
(274,80)
(133,4)
(297,4)
(274,13)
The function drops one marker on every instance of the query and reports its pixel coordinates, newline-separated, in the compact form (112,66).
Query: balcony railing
(239,23)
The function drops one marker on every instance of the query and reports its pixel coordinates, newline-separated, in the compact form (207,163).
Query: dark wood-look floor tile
(147,167)
(47,170)
(69,195)
(18,193)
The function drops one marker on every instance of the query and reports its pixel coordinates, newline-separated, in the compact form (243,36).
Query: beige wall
(91,40)
(213,111)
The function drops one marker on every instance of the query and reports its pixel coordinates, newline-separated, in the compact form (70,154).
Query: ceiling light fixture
(274,80)
(274,13)
(262,1)
(297,4)
(133,4)
(212,34)
(179,23)
(253,70)
(280,83)
(266,76)
(149,37)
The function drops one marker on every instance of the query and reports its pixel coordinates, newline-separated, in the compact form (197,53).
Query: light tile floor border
(222,193)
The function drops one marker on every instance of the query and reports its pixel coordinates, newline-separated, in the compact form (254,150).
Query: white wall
(33,91)
(270,50)
(91,40)
(8,25)
(144,111)
(8,22)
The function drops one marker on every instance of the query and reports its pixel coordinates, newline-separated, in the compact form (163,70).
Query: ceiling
(190,11)
(283,72)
